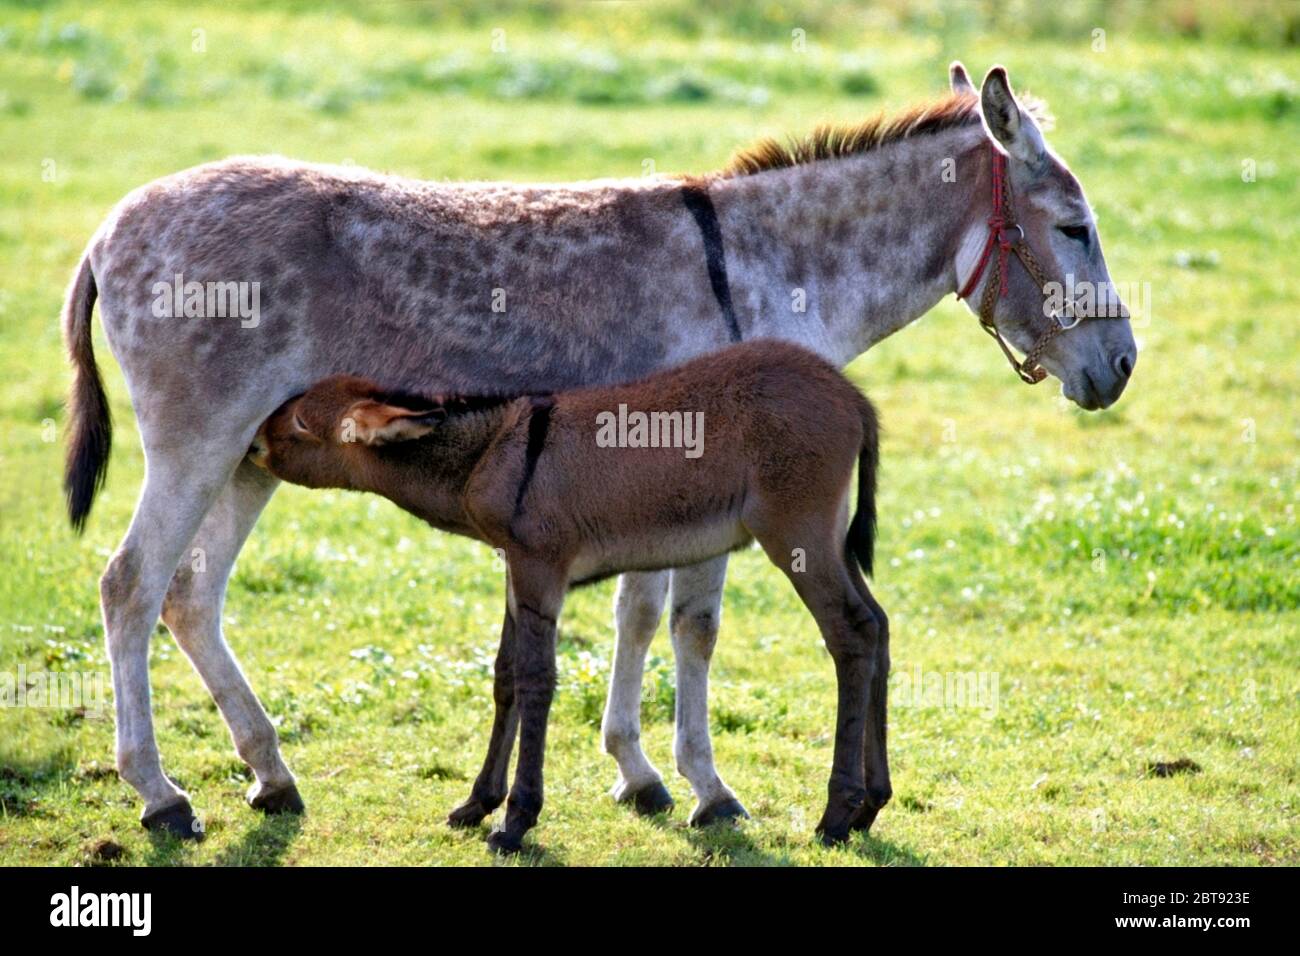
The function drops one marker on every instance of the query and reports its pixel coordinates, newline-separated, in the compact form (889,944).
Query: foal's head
(321,438)
(1094,358)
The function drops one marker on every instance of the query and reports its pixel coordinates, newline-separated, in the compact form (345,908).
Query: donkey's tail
(90,429)
(861,541)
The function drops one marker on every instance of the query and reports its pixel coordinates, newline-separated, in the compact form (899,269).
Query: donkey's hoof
(650,799)
(505,842)
(178,820)
(726,809)
(284,800)
(469,814)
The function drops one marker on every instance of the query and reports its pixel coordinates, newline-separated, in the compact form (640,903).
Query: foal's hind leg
(851,633)
(875,757)
(192,610)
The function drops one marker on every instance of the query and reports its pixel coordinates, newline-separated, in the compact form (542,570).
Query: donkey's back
(499,286)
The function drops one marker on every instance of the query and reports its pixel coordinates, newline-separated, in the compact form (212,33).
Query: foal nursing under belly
(536,478)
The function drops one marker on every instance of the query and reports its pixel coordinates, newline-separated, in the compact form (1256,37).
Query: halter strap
(1007,236)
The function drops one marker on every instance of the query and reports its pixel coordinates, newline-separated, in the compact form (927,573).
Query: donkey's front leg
(490,787)
(538,597)
(696,611)
(638,606)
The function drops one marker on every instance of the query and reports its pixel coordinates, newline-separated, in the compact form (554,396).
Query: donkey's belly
(654,551)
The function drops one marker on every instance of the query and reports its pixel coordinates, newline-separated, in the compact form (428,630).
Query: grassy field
(1128,581)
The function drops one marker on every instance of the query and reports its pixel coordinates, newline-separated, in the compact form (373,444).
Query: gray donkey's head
(1093,358)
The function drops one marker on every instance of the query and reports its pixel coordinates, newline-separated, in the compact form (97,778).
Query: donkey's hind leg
(638,606)
(179,488)
(192,611)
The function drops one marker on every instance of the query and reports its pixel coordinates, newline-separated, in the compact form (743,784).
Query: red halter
(1001,222)
(997,231)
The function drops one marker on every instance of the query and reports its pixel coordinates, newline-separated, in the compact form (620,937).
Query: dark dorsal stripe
(539,423)
(706,217)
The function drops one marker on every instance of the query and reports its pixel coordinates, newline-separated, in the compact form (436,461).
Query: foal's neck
(840,253)
(428,477)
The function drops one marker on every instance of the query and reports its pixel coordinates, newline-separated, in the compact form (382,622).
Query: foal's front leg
(490,787)
(536,603)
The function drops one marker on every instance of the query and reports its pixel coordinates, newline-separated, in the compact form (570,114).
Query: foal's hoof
(178,820)
(833,835)
(650,799)
(469,814)
(728,809)
(863,819)
(284,800)
(842,817)
(865,815)
(505,842)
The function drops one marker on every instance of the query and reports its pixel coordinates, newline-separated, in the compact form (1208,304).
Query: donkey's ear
(959,79)
(377,423)
(1008,123)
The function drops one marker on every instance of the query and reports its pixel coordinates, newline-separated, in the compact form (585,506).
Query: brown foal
(569,498)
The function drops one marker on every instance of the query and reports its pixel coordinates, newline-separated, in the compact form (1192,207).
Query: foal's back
(770,426)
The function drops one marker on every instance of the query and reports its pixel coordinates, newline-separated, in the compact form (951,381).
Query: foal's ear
(377,423)
(1008,122)
(959,79)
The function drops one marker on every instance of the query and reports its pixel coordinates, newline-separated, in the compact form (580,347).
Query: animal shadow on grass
(532,854)
(730,843)
(883,852)
(166,849)
(726,841)
(262,844)
(25,787)
(265,843)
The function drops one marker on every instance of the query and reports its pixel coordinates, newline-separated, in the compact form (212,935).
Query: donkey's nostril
(1124,364)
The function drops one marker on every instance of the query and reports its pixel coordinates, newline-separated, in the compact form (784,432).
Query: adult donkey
(518,288)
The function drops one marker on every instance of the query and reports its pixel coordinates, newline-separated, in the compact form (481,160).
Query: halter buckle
(1002,231)
(1067,312)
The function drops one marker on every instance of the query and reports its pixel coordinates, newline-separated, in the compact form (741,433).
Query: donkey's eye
(1077,233)
(299,425)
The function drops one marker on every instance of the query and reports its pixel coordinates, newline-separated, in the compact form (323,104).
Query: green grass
(1130,576)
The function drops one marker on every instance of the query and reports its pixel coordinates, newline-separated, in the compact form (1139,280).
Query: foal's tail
(90,429)
(861,540)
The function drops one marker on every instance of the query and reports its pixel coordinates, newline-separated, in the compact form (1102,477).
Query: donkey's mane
(838,141)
